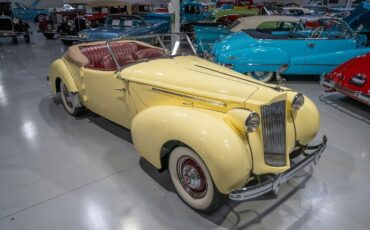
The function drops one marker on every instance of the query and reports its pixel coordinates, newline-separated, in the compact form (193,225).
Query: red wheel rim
(192,177)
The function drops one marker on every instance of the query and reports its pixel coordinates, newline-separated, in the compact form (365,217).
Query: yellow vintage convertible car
(217,131)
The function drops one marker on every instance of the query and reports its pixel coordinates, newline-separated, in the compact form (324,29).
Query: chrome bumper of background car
(355,94)
(47,32)
(13,33)
(70,38)
(273,183)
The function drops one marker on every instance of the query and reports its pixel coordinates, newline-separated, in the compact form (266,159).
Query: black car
(11,26)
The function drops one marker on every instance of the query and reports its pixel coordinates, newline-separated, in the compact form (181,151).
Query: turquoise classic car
(193,11)
(205,36)
(26,13)
(305,52)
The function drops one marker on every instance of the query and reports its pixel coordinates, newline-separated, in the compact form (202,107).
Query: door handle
(311,45)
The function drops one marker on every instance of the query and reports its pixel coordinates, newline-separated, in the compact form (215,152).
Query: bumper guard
(273,183)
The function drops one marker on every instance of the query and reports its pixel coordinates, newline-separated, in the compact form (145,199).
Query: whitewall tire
(262,76)
(71,102)
(193,181)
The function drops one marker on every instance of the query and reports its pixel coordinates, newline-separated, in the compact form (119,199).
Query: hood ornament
(280,81)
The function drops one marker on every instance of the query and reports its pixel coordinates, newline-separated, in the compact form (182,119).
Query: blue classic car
(27,13)
(305,52)
(121,25)
(193,11)
(205,36)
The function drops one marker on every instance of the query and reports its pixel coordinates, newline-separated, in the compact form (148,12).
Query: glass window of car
(123,21)
(21,6)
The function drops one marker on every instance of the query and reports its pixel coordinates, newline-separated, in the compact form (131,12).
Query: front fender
(222,148)
(59,69)
(258,58)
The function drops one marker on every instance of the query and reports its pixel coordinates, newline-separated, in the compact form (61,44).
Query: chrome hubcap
(67,96)
(192,177)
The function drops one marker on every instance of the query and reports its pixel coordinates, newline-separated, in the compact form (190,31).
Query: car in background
(12,26)
(218,132)
(120,25)
(304,52)
(26,13)
(359,19)
(205,36)
(71,21)
(352,78)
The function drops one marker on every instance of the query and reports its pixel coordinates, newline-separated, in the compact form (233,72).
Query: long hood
(194,76)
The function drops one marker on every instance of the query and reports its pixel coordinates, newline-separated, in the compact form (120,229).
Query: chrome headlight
(47,17)
(49,26)
(87,23)
(65,18)
(83,35)
(70,22)
(252,122)
(298,101)
(15,20)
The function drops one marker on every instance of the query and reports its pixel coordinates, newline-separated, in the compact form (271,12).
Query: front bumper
(13,33)
(47,32)
(272,184)
(71,38)
(349,92)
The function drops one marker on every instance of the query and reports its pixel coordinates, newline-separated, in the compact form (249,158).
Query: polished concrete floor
(59,172)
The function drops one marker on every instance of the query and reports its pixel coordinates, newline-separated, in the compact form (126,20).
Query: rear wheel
(262,76)
(71,101)
(193,181)
(67,42)
(40,18)
(49,36)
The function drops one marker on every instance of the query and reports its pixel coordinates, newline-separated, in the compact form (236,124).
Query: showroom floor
(59,172)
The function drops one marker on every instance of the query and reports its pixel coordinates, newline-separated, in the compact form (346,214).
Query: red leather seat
(126,47)
(95,55)
(149,53)
(126,52)
(122,58)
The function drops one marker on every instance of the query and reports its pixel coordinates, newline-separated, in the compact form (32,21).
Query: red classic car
(352,78)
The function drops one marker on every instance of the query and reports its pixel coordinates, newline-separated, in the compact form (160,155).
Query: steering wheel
(316,33)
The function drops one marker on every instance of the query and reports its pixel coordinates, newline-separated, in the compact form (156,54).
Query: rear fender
(218,144)
(60,70)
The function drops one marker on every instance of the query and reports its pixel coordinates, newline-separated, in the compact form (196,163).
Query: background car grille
(273,129)
(6,24)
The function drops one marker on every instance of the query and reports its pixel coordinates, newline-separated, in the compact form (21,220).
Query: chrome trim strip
(209,101)
(356,94)
(273,183)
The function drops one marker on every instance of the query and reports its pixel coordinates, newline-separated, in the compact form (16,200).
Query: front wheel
(27,38)
(40,18)
(71,102)
(193,181)
(262,76)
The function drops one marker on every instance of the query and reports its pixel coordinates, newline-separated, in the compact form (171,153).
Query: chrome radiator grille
(273,129)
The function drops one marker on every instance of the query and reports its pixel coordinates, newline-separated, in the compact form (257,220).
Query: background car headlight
(49,26)
(252,122)
(15,20)
(298,101)
(70,22)
(87,23)
(65,18)
(47,17)
(83,35)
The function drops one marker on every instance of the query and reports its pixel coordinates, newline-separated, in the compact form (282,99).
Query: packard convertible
(11,26)
(313,52)
(217,131)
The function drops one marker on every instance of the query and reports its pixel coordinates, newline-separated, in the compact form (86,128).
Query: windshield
(335,29)
(152,47)
(124,21)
